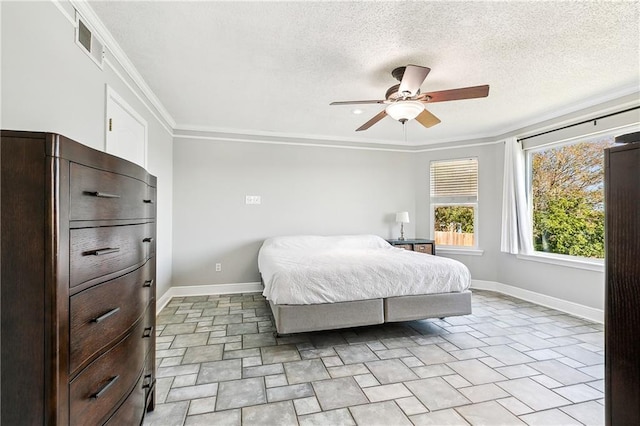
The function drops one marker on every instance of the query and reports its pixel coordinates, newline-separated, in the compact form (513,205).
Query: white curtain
(516,222)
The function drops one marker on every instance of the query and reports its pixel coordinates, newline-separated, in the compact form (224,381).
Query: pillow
(316,242)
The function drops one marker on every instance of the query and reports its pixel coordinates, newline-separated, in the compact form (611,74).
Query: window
(454,202)
(566,184)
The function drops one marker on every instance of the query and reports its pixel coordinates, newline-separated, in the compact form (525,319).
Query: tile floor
(510,363)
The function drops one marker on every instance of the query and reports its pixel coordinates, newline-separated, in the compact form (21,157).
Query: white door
(126,130)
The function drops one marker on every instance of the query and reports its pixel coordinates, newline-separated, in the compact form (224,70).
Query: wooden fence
(454,239)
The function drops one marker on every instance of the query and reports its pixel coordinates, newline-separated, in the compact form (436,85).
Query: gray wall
(329,191)
(304,190)
(571,284)
(489,203)
(49,84)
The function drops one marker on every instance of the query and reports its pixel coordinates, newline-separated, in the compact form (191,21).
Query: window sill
(457,251)
(568,261)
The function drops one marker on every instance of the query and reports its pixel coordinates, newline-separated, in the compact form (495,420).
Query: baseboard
(582,311)
(206,290)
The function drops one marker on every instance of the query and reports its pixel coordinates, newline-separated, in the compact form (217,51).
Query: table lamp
(402,218)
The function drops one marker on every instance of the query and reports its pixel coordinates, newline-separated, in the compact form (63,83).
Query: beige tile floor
(509,363)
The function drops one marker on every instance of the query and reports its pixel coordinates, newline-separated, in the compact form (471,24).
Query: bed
(328,282)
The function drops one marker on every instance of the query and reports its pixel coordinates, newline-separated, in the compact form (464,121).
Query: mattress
(301,270)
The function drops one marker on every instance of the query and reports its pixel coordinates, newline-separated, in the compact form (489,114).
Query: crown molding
(259,135)
(616,100)
(162,122)
(185,130)
(323,144)
(291,141)
(628,95)
(120,56)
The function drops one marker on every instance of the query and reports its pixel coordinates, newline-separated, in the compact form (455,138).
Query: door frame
(110,93)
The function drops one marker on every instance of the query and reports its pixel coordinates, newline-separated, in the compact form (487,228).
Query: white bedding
(302,270)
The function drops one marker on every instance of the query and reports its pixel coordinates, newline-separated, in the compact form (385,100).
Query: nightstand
(419,245)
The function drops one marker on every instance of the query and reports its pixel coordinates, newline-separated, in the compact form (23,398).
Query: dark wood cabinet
(78,284)
(622,307)
(420,245)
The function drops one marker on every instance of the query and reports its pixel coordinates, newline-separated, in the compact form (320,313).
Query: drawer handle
(105,388)
(147,283)
(100,252)
(147,332)
(148,201)
(147,381)
(101,194)
(147,240)
(106,315)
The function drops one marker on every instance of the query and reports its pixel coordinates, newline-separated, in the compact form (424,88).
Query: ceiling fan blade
(382,114)
(356,102)
(455,94)
(427,119)
(412,79)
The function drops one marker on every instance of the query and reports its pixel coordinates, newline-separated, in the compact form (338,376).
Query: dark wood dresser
(420,245)
(622,307)
(78,284)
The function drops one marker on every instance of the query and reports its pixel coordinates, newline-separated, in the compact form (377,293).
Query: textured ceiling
(272,68)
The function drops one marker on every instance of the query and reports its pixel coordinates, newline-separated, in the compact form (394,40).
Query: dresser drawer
(149,379)
(404,246)
(104,312)
(150,202)
(149,320)
(100,195)
(100,386)
(132,409)
(423,248)
(95,252)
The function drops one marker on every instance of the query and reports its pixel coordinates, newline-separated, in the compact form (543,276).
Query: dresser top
(59,146)
(411,241)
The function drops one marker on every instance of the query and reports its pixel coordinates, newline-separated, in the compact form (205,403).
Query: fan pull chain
(404,130)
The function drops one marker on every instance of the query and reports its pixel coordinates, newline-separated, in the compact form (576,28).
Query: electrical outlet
(218,267)
(252,199)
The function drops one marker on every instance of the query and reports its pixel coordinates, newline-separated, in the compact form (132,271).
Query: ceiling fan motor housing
(393,94)
(398,73)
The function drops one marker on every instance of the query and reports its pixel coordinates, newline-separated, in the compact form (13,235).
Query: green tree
(454,218)
(568,199)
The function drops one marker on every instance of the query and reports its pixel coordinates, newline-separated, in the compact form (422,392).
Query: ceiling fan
(405,102)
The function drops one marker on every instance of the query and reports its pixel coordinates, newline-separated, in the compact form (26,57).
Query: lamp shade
(402,217)
(404,110)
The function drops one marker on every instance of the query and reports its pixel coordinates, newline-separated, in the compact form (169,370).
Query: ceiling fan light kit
(404,111)
(405,102)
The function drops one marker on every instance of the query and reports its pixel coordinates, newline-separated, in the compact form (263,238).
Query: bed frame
(327,316)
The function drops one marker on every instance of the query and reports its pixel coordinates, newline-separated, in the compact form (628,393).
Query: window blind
(454,178)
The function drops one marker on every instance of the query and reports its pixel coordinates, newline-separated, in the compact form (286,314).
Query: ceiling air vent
(88,42)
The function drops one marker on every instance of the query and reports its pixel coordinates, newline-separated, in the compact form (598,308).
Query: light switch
(253,199)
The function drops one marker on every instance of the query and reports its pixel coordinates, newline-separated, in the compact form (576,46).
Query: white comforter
(302,270)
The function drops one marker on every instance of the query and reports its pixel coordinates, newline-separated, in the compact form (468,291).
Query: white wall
(49,84)
(304,190)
